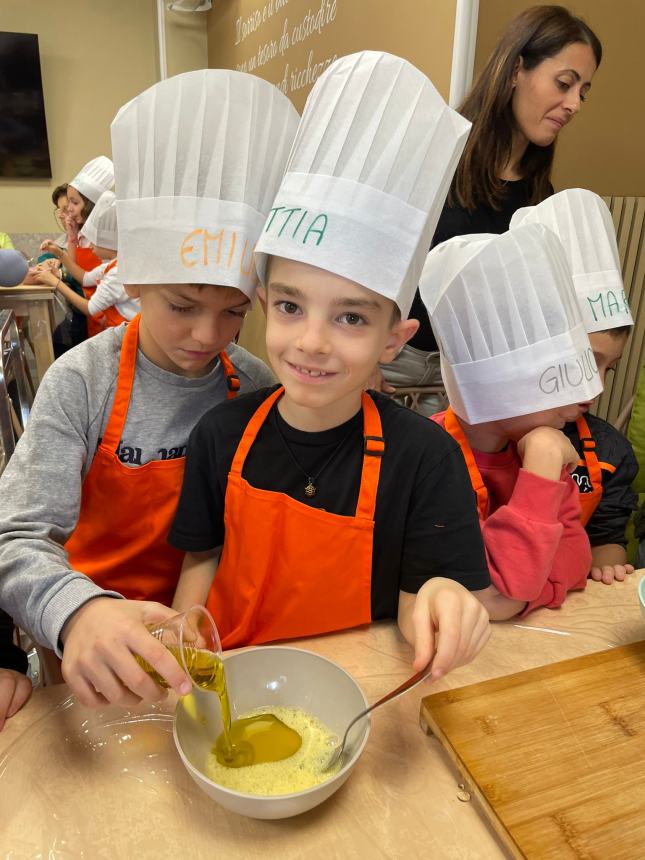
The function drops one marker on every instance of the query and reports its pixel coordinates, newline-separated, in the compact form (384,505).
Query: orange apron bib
(126,512)
(287,569)
(452,426)
(87,260)
(589,501)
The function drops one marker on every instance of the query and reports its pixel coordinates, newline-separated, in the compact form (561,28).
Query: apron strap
(373,450)
(127,365)
(232,379)
(591,461)
(252,429)
(455,429)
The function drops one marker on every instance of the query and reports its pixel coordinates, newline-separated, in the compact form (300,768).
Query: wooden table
(36,302)
(71,783)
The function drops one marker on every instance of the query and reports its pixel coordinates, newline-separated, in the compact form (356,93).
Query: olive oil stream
(249,740)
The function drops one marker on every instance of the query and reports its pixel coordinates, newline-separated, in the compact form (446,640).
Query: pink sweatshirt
(536,546)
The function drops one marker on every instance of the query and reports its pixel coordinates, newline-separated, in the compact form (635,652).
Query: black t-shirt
(425,521)
(619,469)
(457,221)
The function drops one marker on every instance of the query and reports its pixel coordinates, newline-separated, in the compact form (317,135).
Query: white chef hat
(94,178)
(504,311)
(367,177)
(100,227)
(582,222)
(198,161)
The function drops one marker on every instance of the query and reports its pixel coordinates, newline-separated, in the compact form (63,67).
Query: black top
(609,521)
(457,221)
(426,518)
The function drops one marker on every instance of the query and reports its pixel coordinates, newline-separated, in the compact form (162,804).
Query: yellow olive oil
(250,740)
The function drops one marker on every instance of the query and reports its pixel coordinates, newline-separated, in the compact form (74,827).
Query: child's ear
(261,293)
(400,334)
(133,290)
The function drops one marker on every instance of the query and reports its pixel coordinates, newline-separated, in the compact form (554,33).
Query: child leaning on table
(517,364)
(337,507)
(87,499)
(108,303)
(607,466)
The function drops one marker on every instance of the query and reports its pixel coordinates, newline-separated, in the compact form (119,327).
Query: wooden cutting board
(555,755)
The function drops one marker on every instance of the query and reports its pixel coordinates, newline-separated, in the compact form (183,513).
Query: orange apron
(87,260)
(452,426)
(589,501)
(126,512)
(109,317)
(288,569)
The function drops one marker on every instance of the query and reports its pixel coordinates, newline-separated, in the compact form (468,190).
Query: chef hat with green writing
(198,159)
(367,177)
(582,222)
(505,315)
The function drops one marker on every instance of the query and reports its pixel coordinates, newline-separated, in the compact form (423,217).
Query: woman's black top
(456,221)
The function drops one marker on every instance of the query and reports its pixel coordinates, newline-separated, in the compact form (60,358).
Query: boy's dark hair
(59,191)
(619,331)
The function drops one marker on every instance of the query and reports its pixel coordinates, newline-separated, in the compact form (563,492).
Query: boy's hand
(610,572)
(545,451)
(15,689)
(100,640)
(443,620)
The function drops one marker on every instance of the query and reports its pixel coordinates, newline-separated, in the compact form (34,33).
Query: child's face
(516,428)
(607,350)
(184,326)
(75,204)
(325,336)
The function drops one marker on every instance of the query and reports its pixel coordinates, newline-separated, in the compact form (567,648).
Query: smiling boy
(89,495)
(336,507)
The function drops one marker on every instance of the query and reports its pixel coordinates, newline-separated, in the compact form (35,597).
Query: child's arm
(536,547)
(52,280)
(67,258)
(444,623)
(195,580)
(108,293)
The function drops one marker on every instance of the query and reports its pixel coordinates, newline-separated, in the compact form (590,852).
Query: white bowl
(282,677)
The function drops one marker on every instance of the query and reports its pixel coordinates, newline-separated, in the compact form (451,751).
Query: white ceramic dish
(278,676)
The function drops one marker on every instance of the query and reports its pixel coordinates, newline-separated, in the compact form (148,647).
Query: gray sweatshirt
(40,490)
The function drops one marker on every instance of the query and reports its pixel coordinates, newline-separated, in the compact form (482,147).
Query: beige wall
(95,55)
(419,30)
(603,148)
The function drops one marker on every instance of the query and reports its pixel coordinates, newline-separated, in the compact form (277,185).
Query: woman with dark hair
(531,87)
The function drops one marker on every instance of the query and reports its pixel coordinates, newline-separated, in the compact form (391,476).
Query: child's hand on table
(445,620)
(99,642)
(609,573)
(49,247)
(15,689)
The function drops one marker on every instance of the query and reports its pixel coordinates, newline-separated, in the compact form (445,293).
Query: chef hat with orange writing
(198,159)
(368,175)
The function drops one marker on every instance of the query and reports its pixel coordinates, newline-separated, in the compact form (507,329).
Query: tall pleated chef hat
(198,161)
(582,222)
(94,178)
(504,311)
(100,227)
(368,175)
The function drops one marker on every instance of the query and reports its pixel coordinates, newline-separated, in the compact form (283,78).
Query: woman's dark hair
(59,191)
(534,35)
